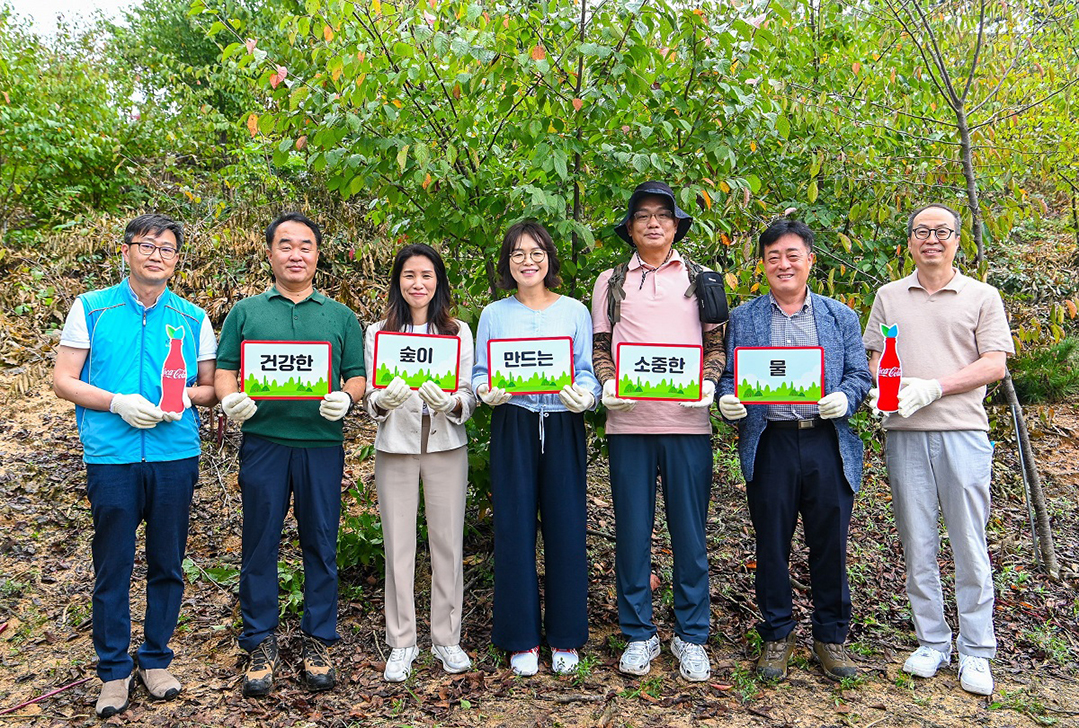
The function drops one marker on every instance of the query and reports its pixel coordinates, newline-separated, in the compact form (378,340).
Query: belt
(806,424)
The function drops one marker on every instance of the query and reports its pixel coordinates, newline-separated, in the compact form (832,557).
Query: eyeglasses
(641,217)
(941,233)
(167,251)
(536,255)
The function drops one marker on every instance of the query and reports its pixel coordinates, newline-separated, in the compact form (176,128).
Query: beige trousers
(445,478)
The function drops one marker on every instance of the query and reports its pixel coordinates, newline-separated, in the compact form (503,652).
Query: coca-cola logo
(889,372)
(174,374)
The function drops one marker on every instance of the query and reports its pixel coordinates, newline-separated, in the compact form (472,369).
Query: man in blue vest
(142,463)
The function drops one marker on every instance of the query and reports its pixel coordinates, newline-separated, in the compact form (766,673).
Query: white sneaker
(637,659)
(974,675)
(525,663)
(452,657)
(564,661)
(692,660)
(925,661)
(399,666)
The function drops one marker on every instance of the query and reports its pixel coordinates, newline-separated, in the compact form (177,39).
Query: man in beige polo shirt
(953,340)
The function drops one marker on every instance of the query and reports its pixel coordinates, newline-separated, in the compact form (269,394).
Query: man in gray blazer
(799,457)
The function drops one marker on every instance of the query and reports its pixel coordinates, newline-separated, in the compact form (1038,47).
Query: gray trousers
(445,478)
(945,472)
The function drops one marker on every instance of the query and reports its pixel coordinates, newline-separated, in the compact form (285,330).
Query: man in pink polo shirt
(649,437)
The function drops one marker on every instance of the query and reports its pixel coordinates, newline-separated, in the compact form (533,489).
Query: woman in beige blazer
(421,437)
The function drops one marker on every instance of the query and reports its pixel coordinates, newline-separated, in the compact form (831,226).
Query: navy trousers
(527,477)
(684,464)
(122,496)
(269,475)
(800,471)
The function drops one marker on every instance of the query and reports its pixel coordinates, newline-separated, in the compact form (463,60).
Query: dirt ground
(46,580)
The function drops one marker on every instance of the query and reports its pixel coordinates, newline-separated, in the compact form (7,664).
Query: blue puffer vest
(128,347)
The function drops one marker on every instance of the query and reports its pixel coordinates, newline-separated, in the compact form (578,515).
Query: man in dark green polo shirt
(291,447)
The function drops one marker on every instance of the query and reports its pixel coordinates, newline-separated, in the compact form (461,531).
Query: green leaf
(402,157)
(560,164)
(420,153)
(783,126)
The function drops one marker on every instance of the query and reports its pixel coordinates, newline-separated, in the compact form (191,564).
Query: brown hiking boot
(318,670)
(258,681)
(834,660)
(772,664)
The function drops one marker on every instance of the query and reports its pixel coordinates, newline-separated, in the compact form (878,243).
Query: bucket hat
(653,187)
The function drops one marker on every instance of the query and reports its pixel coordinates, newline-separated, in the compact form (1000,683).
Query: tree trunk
(1033,484)
(1075,218)
(1030,475)
(578,213)
(972,185)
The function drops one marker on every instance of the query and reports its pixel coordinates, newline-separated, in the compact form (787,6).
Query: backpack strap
(616,292)
(692,269)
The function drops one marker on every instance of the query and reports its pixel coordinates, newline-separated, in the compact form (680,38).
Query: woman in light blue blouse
(538,455)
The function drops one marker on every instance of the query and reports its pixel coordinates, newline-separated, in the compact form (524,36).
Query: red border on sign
(618,380)
(572,363)
(329,368)
(374,364)
(778,348)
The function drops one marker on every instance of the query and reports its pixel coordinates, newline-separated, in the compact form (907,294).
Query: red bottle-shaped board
(174,372)
(889,371)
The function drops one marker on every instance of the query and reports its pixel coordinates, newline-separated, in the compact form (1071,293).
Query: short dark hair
(439,311)
(292,217)
(153,223)
(779,228)
(537,232)
(923,208)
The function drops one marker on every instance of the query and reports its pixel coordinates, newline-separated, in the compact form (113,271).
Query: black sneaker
(318,670)
(258,680)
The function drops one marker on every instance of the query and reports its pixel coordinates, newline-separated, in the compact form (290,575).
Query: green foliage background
(446,122)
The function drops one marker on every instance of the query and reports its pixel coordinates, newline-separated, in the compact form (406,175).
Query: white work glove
(238,407)
(577,399)
(493,397)
(335,405)
(731,407)
(136,410)
(872,400)
(833,405)
(612,402)
(175,416)
(437,400)
(916,393)
(395,394)
(708,394)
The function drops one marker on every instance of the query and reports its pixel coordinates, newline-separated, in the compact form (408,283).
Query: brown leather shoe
(834,660)
(318,670)
(772,664)
(258,681)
